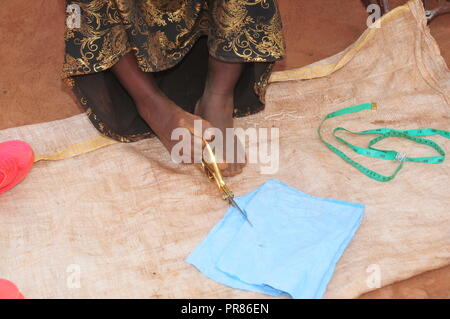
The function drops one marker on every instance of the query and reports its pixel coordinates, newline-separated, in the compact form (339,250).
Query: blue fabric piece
(292,248)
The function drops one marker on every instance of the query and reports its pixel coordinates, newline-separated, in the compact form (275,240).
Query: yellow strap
(84,147)
(318,71)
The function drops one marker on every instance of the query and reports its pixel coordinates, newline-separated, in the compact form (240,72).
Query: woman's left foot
(218,110)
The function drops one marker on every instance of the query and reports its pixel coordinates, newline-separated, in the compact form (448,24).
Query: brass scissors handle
(213,172)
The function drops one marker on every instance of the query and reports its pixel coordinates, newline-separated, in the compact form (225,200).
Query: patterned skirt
(172,39)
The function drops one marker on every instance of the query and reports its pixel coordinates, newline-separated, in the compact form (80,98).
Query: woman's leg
(217,103)
(160,113)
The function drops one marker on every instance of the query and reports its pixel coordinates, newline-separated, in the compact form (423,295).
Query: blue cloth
(292,248)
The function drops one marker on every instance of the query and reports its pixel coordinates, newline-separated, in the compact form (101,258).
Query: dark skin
(215,108)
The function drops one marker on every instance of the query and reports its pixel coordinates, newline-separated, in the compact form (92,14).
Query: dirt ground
(31,54)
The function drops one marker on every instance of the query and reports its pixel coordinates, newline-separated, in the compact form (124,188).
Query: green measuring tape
(383,133)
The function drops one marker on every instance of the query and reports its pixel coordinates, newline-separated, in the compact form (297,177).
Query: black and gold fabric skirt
(172,39)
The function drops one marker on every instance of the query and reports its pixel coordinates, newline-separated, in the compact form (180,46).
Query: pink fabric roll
(16,160)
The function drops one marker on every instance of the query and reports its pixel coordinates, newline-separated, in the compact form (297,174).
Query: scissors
(212,170)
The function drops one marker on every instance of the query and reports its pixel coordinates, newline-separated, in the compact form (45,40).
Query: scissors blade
(243,213)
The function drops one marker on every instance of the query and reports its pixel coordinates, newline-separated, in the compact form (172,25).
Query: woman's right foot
(218,110)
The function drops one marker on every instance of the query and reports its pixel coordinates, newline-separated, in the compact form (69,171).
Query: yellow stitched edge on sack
(77,149)
(307,73)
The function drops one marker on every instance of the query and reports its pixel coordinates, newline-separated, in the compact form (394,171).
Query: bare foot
(164,116)
(217,109)
(160,113)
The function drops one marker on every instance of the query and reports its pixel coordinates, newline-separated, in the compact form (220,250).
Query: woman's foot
(217,106)
(164,116)
(160,113)
(218,109)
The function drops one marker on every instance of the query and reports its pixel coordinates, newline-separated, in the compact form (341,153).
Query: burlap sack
(120,221)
